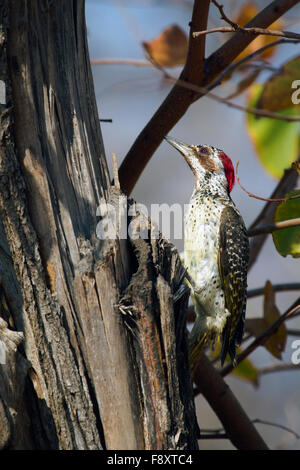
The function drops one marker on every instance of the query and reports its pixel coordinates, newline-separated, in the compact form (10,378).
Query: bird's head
(206,162)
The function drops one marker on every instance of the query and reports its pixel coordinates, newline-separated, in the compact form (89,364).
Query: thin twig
(219,99)
(223,16)
(260,66)
(212,435)
(261,339)
(282,199)
(254,31)
(276,288)
(227,71)
(136,63)
(115,171)
(240,62)
(220,434)
(273,227)
(278,368)
(276,425)
(251,293)
(178,100)
(293,332)
(266,215)
(207,91)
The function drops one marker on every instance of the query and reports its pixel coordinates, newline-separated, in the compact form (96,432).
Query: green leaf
(276,142)
(287,240)
(277,91)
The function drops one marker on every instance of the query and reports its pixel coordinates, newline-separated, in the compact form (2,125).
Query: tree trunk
(93,350)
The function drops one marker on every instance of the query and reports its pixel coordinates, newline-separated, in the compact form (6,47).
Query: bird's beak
(186,150)
(180,146)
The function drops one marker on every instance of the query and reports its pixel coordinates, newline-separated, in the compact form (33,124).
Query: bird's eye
(203,150)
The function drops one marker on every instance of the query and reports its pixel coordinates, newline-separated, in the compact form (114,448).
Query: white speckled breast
(201,246)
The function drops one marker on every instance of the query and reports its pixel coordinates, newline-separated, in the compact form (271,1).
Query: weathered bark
(158,330)
(88,375)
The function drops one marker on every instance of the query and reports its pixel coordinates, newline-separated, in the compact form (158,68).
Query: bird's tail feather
(200,336)
(198,339)
(226,344)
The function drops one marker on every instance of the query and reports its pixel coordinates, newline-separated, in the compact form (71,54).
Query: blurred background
(129,95)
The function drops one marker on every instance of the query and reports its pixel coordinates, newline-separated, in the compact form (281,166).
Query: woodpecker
(216,252)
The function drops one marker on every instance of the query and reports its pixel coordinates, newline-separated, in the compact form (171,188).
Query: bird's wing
(233,257)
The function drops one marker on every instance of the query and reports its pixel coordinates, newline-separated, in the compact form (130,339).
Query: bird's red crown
(229,169)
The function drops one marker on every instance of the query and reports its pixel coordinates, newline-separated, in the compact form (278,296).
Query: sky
(129,96)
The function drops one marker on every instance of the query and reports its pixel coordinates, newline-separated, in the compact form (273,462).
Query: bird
(216,253)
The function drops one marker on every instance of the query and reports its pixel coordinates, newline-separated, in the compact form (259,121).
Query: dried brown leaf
(247,11)
(256,326)
(169,48)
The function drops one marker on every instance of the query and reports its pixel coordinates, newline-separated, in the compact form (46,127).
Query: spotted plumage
(216,252)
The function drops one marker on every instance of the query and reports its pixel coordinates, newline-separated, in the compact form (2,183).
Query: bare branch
(266,216)
(178,100)
(223,16)
(276,425)
(254,31)
(191,315)
(249,57)
(281,199)
(136,63)
(276,288)
(115,171)
(220,434)
(278,367)
(172,109)
(261,339)
(216,435)
(225,55)
(293,332)
(237,425)
(273,227)
(219,99)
